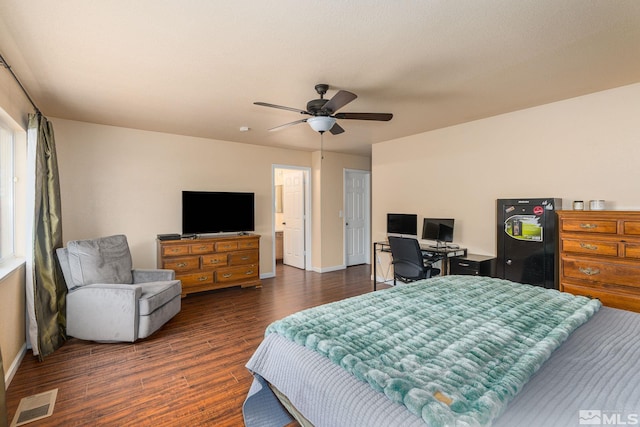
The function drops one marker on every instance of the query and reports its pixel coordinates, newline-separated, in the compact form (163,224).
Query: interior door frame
(307,213)
(367,210)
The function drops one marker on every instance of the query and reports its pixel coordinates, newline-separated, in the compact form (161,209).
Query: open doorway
(292,219)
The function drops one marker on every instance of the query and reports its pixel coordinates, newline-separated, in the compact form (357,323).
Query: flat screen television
(206,212)
(402,224)
(438,229)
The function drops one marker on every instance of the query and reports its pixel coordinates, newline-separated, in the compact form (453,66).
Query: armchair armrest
(141,275)
(104,312)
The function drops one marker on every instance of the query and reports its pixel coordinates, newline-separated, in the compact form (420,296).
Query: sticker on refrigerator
(524,227)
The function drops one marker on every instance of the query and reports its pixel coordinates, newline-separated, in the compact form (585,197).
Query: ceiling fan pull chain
(321,146)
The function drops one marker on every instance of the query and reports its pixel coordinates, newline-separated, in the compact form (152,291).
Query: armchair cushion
(103,260)
(156,294)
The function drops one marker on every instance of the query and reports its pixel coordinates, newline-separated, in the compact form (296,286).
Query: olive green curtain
(4,420)
(49,291)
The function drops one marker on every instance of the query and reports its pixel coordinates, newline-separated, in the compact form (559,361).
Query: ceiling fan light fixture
(321,123)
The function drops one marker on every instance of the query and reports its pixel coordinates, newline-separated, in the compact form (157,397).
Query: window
(7,199)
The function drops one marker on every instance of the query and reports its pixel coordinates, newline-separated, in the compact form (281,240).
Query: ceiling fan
(324,114)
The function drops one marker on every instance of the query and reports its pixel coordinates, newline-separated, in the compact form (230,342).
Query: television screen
(402,224)
(438,229)
(217,212)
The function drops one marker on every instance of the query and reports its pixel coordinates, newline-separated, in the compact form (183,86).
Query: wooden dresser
(600,256)
(212,262)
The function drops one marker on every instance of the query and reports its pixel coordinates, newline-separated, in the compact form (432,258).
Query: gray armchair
(109,301)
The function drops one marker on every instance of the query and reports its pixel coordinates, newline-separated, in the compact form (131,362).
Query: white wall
(329,201)
(578,149)
(118,180)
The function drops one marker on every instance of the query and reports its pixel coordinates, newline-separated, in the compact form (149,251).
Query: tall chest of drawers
(600,256)
(213,262)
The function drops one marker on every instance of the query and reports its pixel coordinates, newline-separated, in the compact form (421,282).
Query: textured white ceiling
(195,67)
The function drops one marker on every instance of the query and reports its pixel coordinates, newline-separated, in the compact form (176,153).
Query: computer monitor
(402,224)
(438,229)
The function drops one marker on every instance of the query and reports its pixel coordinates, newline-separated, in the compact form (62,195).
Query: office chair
(408,262)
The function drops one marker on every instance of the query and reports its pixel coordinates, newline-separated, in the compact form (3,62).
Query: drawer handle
(244,258)
(203,278)
(214,261)
(249,273)
(175,250)
(181,264)
(589,271)
(589,226)
(463,264)
(588,246)
(227,275)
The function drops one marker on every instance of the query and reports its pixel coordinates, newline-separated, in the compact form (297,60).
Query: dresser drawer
(602,272)
(226,246)
(590,247)
(244,257)
(631,228)
(214,260)
(200,278)
(609,297)
(248,244)
(182,264)
(632,250)
(590,226)
(175,250)
(231,274)
(201,248)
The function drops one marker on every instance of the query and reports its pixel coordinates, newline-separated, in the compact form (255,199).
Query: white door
(293,214)
(356,213)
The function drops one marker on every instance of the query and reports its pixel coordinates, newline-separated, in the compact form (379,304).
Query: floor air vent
(35,407)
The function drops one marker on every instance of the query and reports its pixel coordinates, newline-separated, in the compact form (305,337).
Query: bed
(452,350)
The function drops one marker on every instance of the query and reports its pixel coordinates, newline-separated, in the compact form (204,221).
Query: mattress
(593,374)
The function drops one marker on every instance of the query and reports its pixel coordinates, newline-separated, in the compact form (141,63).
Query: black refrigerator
(527,241)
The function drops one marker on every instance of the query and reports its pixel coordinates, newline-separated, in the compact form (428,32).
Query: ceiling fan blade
(297,110)
(338,101)
(382,117)
(336,129)
(286,125)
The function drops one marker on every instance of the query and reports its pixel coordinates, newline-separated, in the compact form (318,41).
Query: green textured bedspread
(454,350)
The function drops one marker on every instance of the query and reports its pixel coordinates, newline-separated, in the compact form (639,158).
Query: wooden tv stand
(207,263)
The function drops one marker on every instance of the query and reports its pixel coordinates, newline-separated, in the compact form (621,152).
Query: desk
(433,254)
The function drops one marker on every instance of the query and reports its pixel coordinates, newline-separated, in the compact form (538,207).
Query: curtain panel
(46,298)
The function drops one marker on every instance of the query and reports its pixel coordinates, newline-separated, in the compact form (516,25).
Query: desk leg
(375,264)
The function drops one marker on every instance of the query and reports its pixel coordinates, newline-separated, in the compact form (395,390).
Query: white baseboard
(13,368)
(267,275)
(328,269)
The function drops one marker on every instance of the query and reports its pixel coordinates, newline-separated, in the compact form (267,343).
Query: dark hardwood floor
(191,372)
